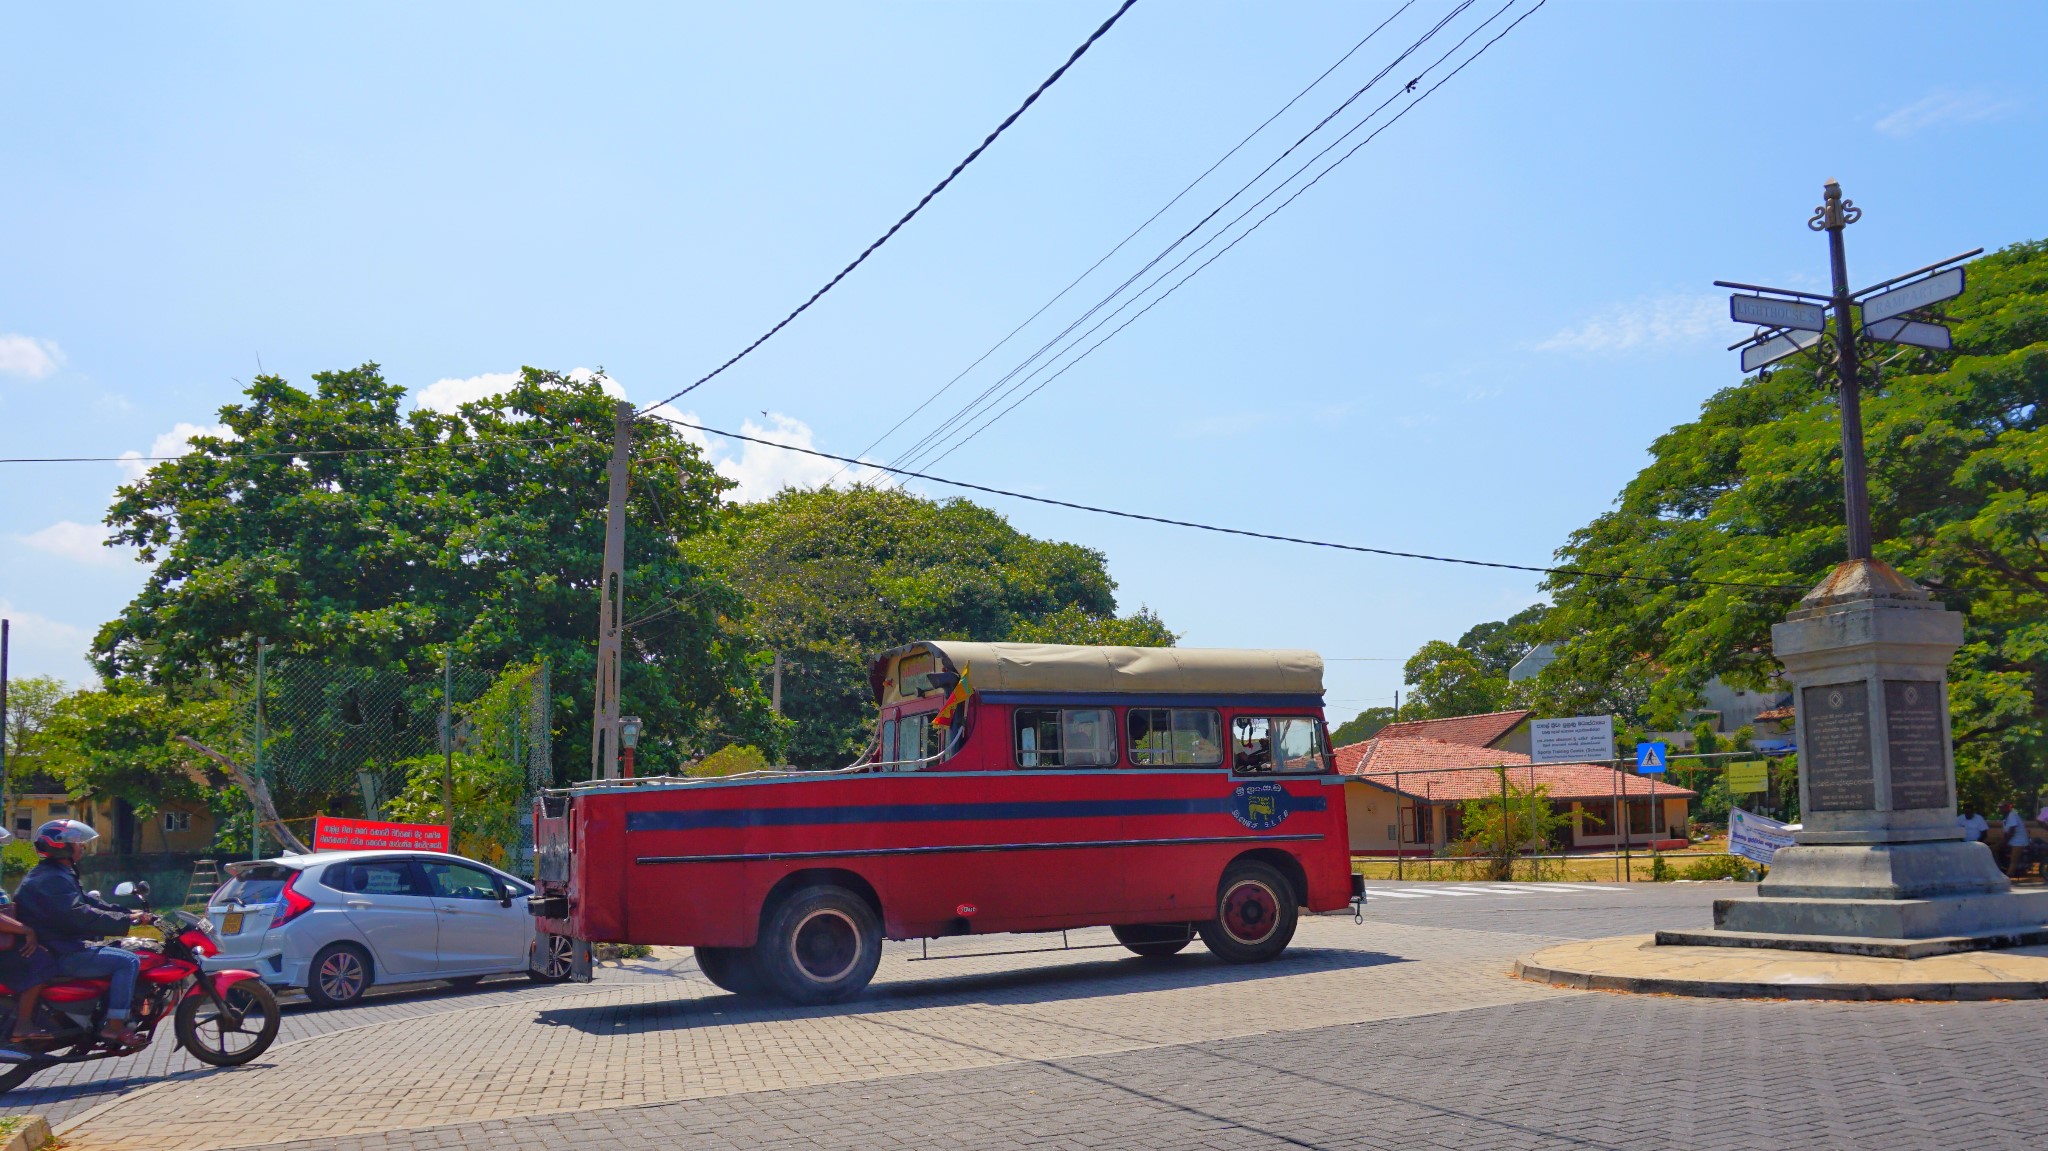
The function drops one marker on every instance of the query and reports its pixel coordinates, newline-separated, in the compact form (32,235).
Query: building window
(1293,745)
(60,811)
(1597,818)
(24,825)
(1175,737)
(1066,737)
(177,821)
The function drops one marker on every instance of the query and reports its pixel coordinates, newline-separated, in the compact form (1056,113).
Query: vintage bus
(1166,793)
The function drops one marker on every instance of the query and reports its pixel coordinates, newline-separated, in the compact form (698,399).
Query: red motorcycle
(224,1018)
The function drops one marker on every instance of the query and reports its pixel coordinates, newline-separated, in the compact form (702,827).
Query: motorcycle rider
(68,920)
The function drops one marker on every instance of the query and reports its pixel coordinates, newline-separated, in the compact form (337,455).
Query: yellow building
(179,827)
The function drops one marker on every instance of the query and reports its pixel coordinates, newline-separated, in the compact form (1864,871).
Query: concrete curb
(1601,965)
(32,1133)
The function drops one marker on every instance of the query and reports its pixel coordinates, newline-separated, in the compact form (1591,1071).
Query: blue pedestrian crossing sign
(1650,758)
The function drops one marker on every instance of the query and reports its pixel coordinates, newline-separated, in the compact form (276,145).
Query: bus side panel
(1305,819)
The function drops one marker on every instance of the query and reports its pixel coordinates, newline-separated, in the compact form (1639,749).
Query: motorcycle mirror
(142,889)
(125,888)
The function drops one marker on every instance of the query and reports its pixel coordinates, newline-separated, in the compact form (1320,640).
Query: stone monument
(1880,867)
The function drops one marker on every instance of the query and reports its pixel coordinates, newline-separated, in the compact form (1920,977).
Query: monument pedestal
(1880,867)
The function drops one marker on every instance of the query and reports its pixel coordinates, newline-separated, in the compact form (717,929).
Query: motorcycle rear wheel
(203,1031)
(18,1074)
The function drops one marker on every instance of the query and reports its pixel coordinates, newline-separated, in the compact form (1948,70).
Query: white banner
(1578,739)
(1754,836)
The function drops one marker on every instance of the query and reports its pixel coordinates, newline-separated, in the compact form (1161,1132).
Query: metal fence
(462,745)
(1441,852)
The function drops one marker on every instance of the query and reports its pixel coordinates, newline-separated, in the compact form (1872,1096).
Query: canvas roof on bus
(1053,667)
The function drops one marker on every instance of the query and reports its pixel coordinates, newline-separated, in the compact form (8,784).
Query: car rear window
(257,883)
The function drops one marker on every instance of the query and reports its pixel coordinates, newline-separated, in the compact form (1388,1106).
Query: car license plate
(231,924)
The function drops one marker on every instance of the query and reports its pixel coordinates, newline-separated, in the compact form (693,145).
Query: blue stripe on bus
(695,819)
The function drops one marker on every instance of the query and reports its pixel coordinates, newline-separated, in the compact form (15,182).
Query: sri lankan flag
(956,700)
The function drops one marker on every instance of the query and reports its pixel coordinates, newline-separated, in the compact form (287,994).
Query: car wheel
(1154,940)
(552,955)
(340,974)
(731,968)
(820,945)
(1255,914)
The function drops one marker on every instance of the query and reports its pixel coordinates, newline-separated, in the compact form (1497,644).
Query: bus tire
(1154,940)
(731,969)
(1255,914)
(819,945)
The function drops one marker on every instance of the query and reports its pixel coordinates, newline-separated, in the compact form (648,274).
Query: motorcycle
(224,1018)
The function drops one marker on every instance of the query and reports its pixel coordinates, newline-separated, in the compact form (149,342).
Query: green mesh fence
(337,739)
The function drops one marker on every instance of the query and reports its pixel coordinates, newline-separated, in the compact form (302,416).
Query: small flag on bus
(955,700)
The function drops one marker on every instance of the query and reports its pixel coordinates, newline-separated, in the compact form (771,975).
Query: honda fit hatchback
(335,923)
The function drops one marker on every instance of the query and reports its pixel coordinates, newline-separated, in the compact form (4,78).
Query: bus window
(915,739)
(1066,737)
(888,741)
(1298,746)
(1251,744)
(1175,737)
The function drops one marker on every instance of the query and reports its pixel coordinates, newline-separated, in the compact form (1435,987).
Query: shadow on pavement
(1034,985)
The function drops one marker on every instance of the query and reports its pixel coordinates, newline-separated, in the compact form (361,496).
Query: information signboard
(331,834)
(1748,776)
(1753,836)
(1575,739)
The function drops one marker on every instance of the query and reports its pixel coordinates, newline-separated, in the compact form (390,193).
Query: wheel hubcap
(341,977)
(825,945)
(557,962)
(1251,913)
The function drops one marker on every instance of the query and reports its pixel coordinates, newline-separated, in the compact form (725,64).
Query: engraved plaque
(1912,736)
(1839,775)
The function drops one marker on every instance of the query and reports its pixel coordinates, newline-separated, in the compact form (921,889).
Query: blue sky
(1462,341)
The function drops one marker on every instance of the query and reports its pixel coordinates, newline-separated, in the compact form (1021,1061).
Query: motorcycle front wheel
(17,1074)
(233,1037)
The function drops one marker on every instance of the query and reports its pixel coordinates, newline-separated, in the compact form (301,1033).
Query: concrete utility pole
(604,716)
(774,692)
(448,734)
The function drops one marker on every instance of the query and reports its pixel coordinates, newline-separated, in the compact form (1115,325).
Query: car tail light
(294,904)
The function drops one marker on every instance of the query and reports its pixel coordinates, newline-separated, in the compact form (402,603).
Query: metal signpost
(1894,311)
(1651,759)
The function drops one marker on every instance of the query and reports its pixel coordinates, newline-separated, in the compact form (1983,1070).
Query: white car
(336,922)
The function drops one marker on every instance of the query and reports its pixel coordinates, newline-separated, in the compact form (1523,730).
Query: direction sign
(1651,758)
(1918,294)
(1910,332)
(1777,348)
(1766,312)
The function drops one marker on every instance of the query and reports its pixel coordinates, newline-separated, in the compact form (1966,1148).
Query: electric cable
(1048,82)
(444,445)
(1255,226)
(1575,573)
(967,411)
(1104,258)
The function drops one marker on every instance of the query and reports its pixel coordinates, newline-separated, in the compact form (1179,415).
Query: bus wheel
(731,968)
(1155,940)
(820,945)
(1255,914)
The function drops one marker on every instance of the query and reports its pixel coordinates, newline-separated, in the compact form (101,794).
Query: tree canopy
(1751,492)
(835,577)
(335,524)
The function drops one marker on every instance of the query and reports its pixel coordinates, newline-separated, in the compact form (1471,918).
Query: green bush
(1721,867)
(16,858)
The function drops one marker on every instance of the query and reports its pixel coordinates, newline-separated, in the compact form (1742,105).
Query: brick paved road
(1405,1032)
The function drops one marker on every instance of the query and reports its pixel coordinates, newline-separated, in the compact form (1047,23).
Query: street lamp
(629,738)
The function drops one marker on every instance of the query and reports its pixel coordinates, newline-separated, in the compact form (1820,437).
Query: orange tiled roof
(1775,714)
(1440,771)
(1472,730)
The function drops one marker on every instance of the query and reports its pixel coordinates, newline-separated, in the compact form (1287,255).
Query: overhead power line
(296,453)
(966,414)
(1048,82)
(1149,220)
(1575,573)
(1157,300)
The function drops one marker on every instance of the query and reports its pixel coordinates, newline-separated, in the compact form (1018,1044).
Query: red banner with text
(331,834)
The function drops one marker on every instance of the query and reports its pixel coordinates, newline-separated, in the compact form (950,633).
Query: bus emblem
(1259,806)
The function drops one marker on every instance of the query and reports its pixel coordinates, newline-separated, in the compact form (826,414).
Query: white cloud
(44,646)
(449,394)
(29,357)
(79,543)
(1946,106)
(1655,323)
(762,470)
(176,442)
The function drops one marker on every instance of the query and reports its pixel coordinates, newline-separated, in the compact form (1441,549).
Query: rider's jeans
(112,964)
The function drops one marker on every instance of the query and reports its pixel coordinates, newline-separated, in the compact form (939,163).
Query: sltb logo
(1259,806)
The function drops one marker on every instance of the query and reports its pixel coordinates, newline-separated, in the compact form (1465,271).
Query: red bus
(1166,793)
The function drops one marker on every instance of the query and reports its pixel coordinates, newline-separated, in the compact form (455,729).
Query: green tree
(31,701)
(1446,680)
(836,577)
(1751,492)
(486,531)
(1362,726)
(1501,644)
(117,743)
(1502,827)
(488,775)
